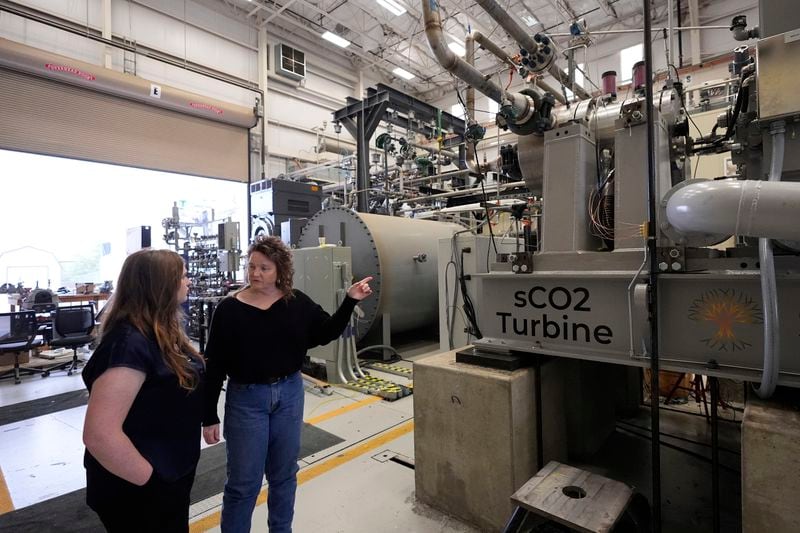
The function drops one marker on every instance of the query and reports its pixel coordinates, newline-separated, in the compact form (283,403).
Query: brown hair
(278,253)
(147,297)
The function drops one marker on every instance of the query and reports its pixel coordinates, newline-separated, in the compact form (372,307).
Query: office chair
(40,300)
(72,328)
(18,335)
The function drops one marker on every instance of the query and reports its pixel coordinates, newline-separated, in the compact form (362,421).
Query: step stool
(575,498)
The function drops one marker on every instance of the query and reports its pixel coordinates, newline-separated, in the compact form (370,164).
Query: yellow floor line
(336,412)
(6,505)
(307,474)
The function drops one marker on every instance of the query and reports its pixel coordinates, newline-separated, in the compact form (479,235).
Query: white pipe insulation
(751,208)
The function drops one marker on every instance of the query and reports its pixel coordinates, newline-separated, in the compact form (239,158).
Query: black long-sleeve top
(252,345)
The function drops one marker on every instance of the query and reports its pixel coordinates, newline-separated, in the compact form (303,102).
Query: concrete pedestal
(475,437)
(770,468)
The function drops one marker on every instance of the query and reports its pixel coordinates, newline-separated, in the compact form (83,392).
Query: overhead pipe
(473,165)
(335,147)
(488,45)
(474,190)
(443,176)
(434,150)
(518,33)
(498,52)
(521,106)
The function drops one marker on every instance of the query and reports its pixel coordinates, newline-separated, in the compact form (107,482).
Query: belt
(273,381)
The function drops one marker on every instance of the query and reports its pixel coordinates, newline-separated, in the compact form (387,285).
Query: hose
(769,292)
(376,347)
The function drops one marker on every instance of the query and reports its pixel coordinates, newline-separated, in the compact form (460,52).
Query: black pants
(124,507)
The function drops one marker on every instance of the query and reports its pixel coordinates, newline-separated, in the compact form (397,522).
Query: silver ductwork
(750,208)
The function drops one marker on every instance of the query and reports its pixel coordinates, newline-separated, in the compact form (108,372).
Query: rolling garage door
(58,106)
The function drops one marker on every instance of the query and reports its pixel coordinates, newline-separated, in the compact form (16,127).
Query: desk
(15,300)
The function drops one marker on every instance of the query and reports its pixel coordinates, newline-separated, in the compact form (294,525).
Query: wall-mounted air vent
(290,62)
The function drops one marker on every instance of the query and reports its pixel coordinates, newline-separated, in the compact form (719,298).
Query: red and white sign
(207,107)
(70,70)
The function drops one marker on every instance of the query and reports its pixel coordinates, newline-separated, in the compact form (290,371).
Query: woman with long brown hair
(142,428)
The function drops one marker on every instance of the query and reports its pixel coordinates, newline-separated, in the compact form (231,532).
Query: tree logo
(725,308)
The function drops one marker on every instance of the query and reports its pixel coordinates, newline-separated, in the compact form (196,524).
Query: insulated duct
(750,208)
(22,58)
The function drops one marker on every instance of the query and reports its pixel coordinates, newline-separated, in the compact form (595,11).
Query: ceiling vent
(290,62)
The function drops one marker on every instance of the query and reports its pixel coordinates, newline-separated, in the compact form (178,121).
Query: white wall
(189,30)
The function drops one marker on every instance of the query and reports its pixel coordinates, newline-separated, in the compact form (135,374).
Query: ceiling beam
(607,8)
(277,13)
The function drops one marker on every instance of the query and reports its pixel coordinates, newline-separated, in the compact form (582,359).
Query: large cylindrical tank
(400,253)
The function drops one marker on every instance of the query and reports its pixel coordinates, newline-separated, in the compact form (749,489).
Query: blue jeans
(262,429)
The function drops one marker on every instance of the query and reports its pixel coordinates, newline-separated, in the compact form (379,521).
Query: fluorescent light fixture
(335,39)
(406,75)
(529,20)
(457,49)
(392,6)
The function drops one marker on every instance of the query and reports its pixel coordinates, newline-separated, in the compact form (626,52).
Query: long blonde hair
(147,297)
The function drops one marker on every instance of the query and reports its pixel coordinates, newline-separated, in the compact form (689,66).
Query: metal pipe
(336,147)
(492,48)
(655,449)
(451,62)
(470,147)
(552,90)
(475,190)
(653,30)
(442,176)
(671,29)
(499,15)
(714,385)
(518,33)
(680,35)
(521,105)
(751,208)
(435,150)
(472,163)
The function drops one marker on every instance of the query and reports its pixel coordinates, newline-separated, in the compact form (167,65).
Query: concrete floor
(355,486)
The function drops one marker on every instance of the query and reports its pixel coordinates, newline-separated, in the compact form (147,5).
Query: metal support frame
(362,117)
(714,385)
(655,501)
